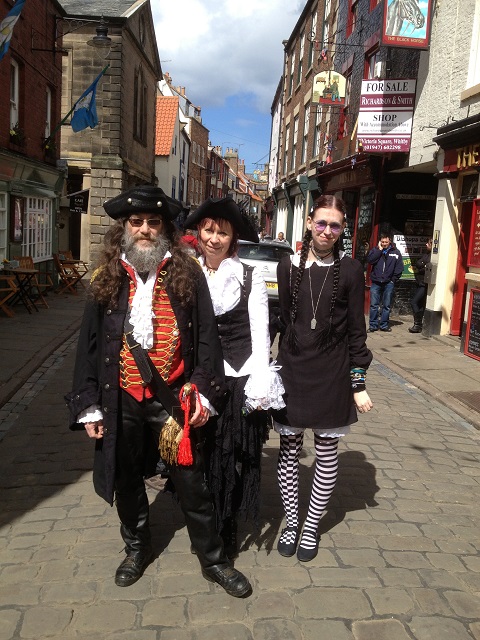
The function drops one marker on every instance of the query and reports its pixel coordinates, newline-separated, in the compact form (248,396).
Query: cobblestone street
(398,554)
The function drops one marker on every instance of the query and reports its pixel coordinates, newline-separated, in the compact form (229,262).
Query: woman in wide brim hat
(240,302)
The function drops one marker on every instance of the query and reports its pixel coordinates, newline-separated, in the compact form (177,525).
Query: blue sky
(228,54)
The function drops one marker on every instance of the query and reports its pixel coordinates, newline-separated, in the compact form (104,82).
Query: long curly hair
(327,336)
(182,274)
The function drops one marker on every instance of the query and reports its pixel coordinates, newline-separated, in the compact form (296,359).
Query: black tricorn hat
(227,209)
(142,199)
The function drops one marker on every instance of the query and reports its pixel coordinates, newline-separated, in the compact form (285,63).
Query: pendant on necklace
(313,323)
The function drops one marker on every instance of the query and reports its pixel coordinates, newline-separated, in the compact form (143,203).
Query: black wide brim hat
(143,199)
(227,209)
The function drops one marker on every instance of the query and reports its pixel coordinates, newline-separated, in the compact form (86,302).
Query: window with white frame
(37,228)
(306,125)
(295,140)
(48,112)
(14,93)
(300,60)
(473,77)
(194,152)
(285,155)
(317,132)
(292,72)
(313,35)
(326,26)
(371,61)
(3,226)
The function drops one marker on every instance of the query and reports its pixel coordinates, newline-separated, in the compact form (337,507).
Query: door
(460,286)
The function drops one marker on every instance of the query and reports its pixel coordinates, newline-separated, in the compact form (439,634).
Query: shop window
(3,226)
(37,229)
(352,16)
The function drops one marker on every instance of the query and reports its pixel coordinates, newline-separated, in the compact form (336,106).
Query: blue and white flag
(85,109)
(7,24)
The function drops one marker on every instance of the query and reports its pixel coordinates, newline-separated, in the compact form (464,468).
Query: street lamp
(101,41)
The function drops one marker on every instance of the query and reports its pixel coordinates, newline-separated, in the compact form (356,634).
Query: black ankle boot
(132,568)
(230,579)
(417,323)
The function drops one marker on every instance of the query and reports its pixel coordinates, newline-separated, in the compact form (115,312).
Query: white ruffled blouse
(264,386)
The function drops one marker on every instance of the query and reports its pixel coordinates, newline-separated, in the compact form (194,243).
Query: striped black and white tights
(326,470)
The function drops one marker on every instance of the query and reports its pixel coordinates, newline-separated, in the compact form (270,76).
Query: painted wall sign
(386,115)
(406,23)
(329,88)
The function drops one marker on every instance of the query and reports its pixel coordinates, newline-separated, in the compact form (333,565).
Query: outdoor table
(23,280)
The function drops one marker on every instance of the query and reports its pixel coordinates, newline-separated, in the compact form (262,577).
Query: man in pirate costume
(149,313)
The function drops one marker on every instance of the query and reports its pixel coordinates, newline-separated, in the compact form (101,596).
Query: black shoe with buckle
(230,579)
(132,568)
(287,545)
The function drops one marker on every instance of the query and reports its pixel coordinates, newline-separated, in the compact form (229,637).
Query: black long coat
(317,383)
(97,367)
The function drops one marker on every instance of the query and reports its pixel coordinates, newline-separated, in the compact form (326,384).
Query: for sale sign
(386,115)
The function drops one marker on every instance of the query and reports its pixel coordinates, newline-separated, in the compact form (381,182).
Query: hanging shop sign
(79,201)
(329,88)
(386,115)
(406,23)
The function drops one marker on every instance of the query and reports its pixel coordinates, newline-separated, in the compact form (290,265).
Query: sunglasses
(152,222)
(335,227)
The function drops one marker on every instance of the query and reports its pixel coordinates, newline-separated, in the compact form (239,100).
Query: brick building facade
(30,182)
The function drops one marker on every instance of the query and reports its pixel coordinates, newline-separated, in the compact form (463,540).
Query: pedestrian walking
(148,329)
(419,298)
(387,269)
(240,303)
(324,360)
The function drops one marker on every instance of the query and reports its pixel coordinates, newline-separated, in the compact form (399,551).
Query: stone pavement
(399,553)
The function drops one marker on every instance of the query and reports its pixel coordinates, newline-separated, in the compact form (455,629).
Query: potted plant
(17,136)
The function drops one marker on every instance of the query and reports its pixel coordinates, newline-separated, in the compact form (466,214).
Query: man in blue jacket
(387,268)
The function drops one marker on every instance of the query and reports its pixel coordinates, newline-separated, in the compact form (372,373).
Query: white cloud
(222,48)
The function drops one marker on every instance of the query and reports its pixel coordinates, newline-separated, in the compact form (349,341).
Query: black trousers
(139,427)
(419,299)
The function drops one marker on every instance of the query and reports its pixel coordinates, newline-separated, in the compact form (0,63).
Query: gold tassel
(169,441)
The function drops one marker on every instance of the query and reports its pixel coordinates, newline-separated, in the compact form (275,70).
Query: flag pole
(52,135)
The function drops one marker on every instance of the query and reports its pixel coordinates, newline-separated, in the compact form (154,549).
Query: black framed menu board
(472,340)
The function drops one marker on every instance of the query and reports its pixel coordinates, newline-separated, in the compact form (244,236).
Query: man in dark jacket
(387,268)
(419,298)
(146,284)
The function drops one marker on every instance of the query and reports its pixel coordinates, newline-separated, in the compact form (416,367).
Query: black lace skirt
(233,453)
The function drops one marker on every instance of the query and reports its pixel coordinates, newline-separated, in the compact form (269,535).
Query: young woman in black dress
(324,359)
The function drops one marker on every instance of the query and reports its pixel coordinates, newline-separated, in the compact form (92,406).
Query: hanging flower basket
(17,136)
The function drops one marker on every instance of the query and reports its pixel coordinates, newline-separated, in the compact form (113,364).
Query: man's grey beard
(147,258)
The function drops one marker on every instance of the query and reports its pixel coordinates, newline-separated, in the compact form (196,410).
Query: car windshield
(264,252)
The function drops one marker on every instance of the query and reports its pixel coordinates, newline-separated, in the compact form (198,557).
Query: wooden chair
(80,264)
(68,274)
(40,283)
(8,288)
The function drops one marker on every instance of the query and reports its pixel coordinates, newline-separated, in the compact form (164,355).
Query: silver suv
(265,256)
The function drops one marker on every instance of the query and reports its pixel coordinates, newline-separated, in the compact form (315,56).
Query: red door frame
(460,286)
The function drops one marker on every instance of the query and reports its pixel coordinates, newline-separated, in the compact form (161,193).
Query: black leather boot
(133,510)
(197,507)
(417,323)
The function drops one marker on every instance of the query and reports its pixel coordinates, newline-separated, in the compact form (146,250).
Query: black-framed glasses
(335,227)
(152,222)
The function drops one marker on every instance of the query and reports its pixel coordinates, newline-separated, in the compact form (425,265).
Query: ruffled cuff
(208,405)
(91,414)
(265,388)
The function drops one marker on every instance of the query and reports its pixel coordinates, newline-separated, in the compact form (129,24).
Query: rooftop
(166,116)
